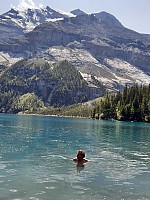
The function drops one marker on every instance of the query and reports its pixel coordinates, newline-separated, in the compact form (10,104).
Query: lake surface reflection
(33,165)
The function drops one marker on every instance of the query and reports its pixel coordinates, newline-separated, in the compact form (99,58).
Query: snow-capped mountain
(29,18)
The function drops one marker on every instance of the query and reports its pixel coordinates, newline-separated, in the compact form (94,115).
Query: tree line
(133,104)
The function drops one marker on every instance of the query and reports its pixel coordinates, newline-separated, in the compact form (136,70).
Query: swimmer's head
(80,154)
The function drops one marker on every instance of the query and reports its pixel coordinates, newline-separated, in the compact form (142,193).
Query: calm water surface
(32,164)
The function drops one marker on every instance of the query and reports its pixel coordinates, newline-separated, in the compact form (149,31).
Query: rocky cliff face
(9,29)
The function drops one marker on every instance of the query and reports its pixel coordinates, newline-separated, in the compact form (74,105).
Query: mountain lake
(33,164)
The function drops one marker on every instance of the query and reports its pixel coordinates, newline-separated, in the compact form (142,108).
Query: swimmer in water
(80,159)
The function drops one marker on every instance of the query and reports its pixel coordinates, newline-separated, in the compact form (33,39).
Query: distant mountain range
(30,18)
(105,53)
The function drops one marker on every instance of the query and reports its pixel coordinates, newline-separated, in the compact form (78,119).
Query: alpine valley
(52,58)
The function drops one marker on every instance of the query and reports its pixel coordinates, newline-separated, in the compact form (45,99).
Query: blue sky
(134,14)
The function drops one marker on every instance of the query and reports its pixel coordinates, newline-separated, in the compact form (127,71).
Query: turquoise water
(32,164)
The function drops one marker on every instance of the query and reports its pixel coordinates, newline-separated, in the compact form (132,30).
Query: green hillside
(50,85)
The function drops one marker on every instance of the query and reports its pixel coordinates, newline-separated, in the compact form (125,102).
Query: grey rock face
(9,29)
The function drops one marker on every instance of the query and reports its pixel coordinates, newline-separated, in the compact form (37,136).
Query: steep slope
(58,84)
(113,73)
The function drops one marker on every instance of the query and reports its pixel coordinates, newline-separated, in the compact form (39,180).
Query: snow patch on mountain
(53,20)
(65,13)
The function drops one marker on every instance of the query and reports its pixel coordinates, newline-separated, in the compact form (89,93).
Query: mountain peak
(13,10)
(108,19)
(27,15)
(78,12)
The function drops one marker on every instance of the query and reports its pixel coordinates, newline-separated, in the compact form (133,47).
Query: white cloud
(25,4)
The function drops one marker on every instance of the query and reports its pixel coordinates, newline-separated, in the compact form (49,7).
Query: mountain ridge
(28,18)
